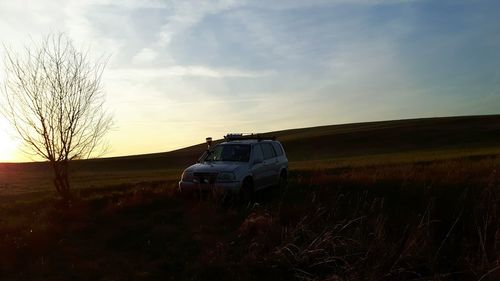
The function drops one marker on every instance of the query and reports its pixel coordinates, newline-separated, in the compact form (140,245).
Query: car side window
(278,149)
(257,152)
(268,151)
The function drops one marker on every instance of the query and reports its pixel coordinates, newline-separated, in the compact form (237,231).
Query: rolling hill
(381,142)
(469,134)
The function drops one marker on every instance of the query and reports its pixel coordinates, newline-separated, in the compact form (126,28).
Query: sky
(180,71)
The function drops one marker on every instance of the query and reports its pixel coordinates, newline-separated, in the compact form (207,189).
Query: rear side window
(268,150)
(278,149)
(257,150)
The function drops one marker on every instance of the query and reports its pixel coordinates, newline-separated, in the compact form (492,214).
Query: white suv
(241,164)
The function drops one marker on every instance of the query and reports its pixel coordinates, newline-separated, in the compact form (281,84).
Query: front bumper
(220,186)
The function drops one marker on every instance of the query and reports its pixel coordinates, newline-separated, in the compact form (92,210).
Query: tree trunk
(61,179)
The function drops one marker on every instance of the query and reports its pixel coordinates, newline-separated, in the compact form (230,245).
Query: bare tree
(53,97)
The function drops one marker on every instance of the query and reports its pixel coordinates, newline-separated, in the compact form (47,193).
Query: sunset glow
(8,145)
(180,71)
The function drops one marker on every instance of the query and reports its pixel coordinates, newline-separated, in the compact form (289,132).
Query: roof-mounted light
(209,142)
(240,136)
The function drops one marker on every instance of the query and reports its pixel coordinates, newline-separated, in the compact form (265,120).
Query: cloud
(186,14)
(141,74)
(145,56)
(132,4)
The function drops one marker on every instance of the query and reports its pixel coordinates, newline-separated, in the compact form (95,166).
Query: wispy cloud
(185,14)
(178,70)
(145,56)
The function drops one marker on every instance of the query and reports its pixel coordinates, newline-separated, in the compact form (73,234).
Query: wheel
(246,192)
(283,182)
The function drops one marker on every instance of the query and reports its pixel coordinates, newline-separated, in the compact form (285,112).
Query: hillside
(358,144)
(468,134)
(349,140)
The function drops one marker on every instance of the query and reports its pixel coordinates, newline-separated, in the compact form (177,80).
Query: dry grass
(26,184)
(429,220)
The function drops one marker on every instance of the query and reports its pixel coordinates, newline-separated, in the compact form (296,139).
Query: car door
(270,164)
(282,162)
(258,169)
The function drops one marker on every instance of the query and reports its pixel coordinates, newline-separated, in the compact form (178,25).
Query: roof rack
(259,137)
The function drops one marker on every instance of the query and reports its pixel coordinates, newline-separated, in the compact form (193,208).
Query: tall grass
(413,221)
(432,221)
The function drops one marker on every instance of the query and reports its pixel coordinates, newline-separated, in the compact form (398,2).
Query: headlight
(226,177)
(187,176)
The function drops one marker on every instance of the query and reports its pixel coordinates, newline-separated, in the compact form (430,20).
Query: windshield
(230,152)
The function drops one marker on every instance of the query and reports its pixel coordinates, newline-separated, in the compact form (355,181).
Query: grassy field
(398,200)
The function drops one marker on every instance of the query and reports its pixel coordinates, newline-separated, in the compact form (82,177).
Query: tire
(283,181)
(246,192)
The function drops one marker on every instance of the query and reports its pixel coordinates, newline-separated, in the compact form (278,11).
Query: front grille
(205,178)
